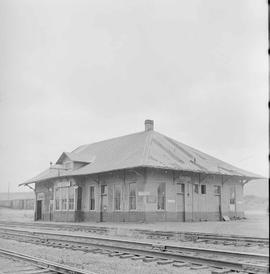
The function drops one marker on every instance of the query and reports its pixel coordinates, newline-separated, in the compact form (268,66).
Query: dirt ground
(256,224)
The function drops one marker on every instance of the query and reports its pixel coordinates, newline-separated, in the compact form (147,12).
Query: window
(203,189)
(103,189)
(64,198)
(57,198)
(161,196)
(217,190)
(180,188)
(79,198)
(196,188)
(71,198)
(132,196)
(92,198)
(117,197)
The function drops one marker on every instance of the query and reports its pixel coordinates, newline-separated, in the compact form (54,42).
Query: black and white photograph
(134,136)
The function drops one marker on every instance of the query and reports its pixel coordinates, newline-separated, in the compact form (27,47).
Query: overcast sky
(76,72)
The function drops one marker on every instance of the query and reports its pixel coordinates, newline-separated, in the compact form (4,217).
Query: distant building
(17,200)
(145,176)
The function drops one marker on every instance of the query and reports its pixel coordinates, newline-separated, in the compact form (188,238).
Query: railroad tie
(198,266)
(115,254)
(227,243)
(165,261)
(104,251)
(95,250)
(137,257)
(220,271)
(126,256)
(181,264)
(150,259)
(200,240)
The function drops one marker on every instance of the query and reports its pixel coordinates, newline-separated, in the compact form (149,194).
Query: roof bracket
(30,187)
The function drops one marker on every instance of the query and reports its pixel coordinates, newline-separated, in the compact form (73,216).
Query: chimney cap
(149,125)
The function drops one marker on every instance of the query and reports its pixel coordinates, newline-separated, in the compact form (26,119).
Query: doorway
(39,210)
(104,202)
(180,202)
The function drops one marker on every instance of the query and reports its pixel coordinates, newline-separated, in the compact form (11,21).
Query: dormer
(72,161)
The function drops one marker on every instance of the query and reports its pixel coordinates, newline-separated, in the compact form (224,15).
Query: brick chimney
(149,125)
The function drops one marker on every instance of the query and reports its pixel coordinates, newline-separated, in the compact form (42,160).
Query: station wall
(183,196)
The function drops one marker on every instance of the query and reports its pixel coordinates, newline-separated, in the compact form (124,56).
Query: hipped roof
(143,149)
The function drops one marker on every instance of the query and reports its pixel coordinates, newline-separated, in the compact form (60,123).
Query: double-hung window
(132,196)
(217,190)
(161,196)
(117,197)
(203,189)
(71,198)
(92,198)
(57,198)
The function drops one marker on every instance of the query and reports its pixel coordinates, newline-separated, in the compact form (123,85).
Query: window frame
(68,202)
(64,195)
(94,198)
(196,188)
(129,196)
(217,189)
(163,196)
(180,188)
(114,197)
(203,186)
(57,201)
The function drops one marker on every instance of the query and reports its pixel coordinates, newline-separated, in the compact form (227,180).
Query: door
(217,204)
(39,209)
(104,202)
(232,204)
(180,201)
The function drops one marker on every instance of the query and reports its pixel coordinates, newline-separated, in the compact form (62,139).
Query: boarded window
(132,196)
(161,196)
(196,188)
(92,198)
(57,199)
(217,190)
(180,188)
(203,189)
(117,197)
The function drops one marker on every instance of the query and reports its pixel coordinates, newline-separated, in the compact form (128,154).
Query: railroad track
(210,238)
(30,264)
(181,256)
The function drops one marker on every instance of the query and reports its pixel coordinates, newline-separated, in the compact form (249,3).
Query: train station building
(141,177)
